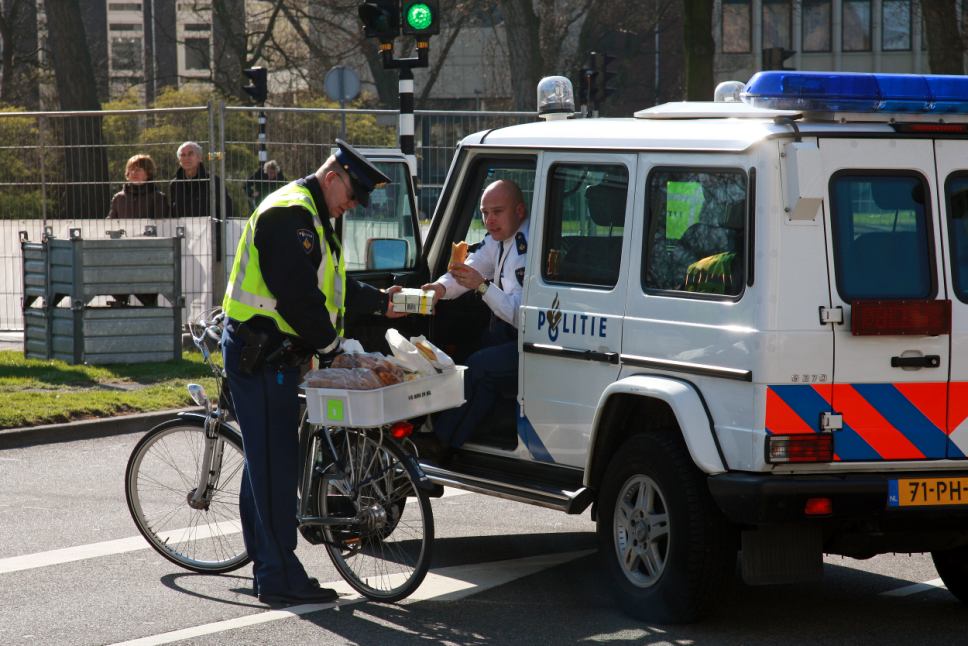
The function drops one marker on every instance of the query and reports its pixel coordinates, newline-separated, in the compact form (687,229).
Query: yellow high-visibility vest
(247,294)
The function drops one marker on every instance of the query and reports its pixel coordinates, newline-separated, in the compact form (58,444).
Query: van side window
(881,236)
(584,223)
(695,240)
(956,191)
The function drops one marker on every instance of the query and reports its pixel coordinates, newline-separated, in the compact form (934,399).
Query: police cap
(364,176)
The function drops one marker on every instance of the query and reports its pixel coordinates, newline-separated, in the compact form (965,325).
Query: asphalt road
(74,571)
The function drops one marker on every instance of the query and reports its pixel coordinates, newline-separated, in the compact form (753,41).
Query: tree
(946,48)
(85,159)
(697,30)
(18,58)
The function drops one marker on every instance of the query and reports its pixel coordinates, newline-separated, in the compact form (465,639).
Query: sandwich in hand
(458,253)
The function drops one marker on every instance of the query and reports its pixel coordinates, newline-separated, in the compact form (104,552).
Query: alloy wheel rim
(641,531)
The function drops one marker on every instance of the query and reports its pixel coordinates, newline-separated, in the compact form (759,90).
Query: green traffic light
(419,16)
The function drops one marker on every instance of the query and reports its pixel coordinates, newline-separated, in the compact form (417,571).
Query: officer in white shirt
(496,272)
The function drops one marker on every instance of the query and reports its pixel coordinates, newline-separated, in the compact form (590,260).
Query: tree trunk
(86,192)
(522,28)
(699,45)
(946,50)
(228,35)
(26,63)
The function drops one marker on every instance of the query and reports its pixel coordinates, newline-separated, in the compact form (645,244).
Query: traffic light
(257,84)
(381,19)
(605,77)
(421,17)
(774,58)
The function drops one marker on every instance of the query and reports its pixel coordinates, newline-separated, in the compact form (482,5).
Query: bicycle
(183,478)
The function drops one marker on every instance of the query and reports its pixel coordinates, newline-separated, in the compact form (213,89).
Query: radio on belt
(413,301)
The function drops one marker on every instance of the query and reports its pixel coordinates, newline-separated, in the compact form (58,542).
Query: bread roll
(426,351)
(458,253)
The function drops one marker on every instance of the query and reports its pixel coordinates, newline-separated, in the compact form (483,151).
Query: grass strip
(34,392)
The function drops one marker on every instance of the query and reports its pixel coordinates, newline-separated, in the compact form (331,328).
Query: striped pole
(263,155)
(406,119)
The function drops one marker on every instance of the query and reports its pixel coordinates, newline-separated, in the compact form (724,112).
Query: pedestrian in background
(189,191)
(262,182)
(140,197)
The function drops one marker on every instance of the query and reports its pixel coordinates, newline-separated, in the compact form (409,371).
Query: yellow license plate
(927,492)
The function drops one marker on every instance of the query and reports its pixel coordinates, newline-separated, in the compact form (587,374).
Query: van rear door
(891,355)
(951,156)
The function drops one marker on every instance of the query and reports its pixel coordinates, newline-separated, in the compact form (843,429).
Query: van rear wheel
(667,547)
(952,566)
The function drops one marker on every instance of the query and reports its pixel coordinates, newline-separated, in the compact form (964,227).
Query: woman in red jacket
(139,198)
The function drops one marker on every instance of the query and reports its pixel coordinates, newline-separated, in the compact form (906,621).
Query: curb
(86,429)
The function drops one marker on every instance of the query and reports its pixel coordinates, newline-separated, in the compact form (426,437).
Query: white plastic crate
(368,408)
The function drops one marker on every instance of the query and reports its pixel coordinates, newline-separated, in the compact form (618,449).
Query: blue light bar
(857,92)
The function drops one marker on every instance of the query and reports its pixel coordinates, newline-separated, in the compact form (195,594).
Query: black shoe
(312,594)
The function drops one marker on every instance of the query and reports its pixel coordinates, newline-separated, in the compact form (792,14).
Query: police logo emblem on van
(306,239)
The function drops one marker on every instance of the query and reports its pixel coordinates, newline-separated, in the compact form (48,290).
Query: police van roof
(780,103)
(700,131)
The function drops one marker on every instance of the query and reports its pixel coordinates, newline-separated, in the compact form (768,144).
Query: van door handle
(927,361)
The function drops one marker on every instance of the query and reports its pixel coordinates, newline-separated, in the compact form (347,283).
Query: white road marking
(107,548)
(445,584)
(908,590)
(122,545)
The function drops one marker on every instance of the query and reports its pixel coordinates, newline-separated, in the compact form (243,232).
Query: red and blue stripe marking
(904,421)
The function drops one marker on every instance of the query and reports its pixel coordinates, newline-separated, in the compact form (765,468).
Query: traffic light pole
(406,65)
(263,154)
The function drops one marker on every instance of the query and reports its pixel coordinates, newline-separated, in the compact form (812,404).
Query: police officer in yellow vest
(286,299)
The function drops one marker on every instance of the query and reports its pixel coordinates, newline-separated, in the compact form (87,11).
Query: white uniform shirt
(503,267)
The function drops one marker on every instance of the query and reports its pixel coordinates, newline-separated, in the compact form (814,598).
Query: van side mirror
(387,253)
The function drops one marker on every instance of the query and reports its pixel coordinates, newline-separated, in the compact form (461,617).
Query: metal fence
(60,170)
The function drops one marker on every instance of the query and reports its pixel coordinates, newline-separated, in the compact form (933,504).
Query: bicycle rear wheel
(385,557)
(162,474)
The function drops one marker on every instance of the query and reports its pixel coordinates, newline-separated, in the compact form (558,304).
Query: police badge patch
(519,273)
(307,239)
(521,243)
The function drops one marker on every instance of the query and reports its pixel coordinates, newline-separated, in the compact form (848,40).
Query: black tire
(159,480)
(952,566)
(672,551)
(388,559)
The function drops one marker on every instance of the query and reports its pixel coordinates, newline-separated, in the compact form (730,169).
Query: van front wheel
(667,547)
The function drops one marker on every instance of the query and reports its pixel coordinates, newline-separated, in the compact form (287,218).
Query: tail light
(401,430)
(926,317)
(802,447)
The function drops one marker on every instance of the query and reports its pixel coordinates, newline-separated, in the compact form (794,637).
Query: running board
(570,502)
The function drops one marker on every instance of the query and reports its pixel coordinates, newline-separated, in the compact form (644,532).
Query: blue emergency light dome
(857,92)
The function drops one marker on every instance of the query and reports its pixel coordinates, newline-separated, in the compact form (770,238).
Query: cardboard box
(413,301)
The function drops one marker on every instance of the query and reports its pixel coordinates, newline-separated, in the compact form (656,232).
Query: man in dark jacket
(268,178)
(189,191)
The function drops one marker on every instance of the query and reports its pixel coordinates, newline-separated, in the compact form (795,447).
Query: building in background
(841,35)
(150,44)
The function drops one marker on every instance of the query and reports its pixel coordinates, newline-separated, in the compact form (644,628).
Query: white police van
(744,329)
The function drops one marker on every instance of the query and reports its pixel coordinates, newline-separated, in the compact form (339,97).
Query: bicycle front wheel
(385,556)
(202,535)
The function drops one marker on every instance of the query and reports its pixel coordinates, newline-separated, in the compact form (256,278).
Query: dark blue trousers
(267,408)
(491,371)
